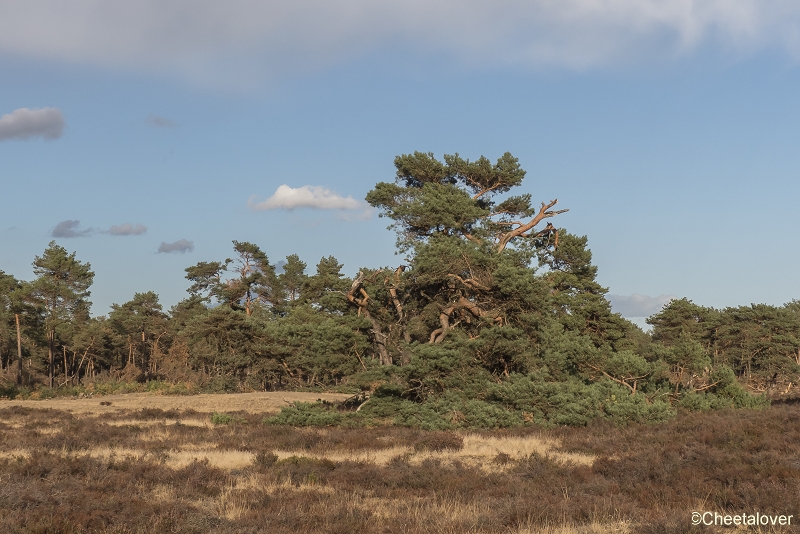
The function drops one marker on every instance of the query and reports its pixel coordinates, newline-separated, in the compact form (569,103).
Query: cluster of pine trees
(494,319)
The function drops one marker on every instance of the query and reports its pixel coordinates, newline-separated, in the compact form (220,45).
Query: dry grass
(203,422)
(479,451)
(152,470)
(258,402)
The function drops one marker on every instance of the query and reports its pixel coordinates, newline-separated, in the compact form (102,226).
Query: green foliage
(319,349)
(493,321)
(317,414)
(573,402)
(435,368)
(221,418)
(254,283)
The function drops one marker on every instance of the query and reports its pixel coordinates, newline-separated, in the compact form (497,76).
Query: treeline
(493,320)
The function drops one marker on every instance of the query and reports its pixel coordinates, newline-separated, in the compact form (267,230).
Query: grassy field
(212,466)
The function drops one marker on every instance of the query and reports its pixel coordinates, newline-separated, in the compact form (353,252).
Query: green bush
(316,414)
(218,418)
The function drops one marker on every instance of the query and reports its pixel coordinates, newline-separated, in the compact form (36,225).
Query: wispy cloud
(25,123)
(70,228)
(638,305)
(127,229)
(180,246)
(241,41)
(157,121)
(307,196)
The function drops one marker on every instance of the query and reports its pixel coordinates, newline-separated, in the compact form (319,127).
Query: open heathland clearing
(255,403)
(176,469)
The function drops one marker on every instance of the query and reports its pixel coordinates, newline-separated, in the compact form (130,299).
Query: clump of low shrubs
(440,442)
(221,418)
(264,460)
(317,414)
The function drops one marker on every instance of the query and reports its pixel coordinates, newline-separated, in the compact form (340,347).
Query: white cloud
(180,246)
(69,228)
(24,123)
(245,42)
(307,196)
(638,305)
(127,229)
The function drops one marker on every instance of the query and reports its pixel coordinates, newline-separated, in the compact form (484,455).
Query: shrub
(440,441)
(265,460)
(316,414)
(225,419)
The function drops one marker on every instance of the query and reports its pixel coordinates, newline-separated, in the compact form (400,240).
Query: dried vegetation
(175,471)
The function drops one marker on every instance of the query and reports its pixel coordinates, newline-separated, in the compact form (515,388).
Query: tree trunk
(19,352)
(378,335)
(380,339)
(66,369)
(50,349)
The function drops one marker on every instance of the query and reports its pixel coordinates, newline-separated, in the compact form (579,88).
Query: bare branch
(544,213)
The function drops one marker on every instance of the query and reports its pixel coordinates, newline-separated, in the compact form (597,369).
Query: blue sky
(669,130)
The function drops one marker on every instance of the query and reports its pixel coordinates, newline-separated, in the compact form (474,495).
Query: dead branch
(619,381)
(544,213)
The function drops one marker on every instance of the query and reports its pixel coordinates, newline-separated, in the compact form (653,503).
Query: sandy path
(263,402)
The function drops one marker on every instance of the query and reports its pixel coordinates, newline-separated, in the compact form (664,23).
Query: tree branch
(544,213)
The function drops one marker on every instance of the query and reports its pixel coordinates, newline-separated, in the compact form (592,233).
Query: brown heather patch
(141,471)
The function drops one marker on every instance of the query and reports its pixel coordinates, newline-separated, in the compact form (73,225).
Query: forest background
(495,319)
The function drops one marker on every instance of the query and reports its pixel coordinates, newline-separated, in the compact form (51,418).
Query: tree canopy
(495,317)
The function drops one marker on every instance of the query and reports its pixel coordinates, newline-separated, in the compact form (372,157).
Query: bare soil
(255,403)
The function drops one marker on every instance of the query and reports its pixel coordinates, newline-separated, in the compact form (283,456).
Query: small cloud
(67,229)
(24,123)
(127,229)
(181,245)
(157,121)
(638,305)
(307,196)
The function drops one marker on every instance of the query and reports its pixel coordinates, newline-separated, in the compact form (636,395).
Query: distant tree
(760,343)
(61,290)
(142,323)
(255,281)
(11,310)
(681,318)
(292,279)
(225,343)
(94,348)
(326,288)
(578,299)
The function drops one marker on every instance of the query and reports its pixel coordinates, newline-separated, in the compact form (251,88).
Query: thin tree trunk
(66,370)
(19,352)
(50,349)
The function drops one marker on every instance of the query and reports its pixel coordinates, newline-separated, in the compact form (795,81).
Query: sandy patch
(262,402)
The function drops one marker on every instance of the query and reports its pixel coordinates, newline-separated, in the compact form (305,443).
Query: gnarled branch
(544,213)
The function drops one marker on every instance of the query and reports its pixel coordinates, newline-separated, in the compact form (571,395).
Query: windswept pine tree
(61,292)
